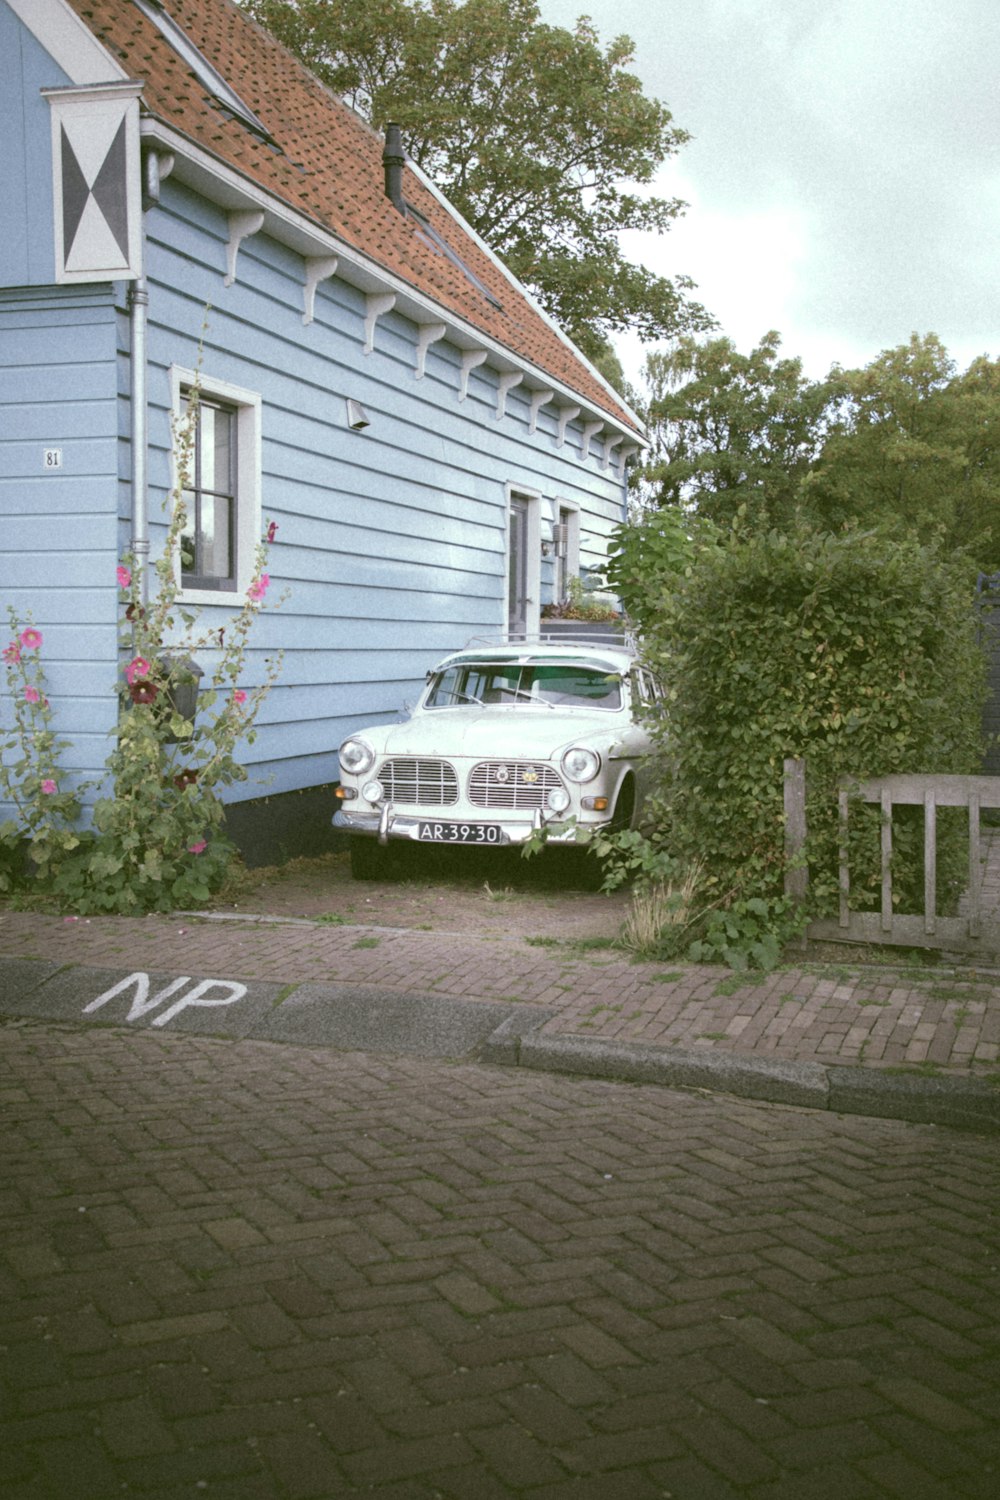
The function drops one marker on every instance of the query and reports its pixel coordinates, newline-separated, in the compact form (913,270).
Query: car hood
(495,734)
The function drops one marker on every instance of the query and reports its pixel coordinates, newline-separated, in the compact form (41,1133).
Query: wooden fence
(974,931)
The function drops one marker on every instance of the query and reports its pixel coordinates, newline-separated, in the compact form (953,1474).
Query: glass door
(517,565)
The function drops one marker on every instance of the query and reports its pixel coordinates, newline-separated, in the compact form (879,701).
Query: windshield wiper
(523,693)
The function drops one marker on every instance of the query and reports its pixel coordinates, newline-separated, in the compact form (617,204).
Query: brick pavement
(924,1019)
(264,1272)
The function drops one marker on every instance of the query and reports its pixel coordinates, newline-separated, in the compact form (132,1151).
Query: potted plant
(581,612)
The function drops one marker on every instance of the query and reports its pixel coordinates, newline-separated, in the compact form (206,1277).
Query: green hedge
(853,651)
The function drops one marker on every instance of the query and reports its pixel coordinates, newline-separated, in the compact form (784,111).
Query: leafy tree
(731,430)
(915,446)
(540,137)
(905,444)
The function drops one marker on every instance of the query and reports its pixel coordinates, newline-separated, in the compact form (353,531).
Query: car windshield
(521,684)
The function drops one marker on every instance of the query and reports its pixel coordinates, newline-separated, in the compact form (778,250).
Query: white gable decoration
(97,204)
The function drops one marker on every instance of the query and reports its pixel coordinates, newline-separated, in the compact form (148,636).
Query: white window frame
(248,477)
(533,570)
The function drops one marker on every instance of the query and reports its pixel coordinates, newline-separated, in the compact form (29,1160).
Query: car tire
(370,860)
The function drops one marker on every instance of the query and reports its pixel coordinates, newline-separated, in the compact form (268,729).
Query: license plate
(461,833)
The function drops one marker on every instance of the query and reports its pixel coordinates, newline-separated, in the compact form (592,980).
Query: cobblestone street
(271,1272)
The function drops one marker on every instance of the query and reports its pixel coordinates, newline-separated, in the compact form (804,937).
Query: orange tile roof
(329,168)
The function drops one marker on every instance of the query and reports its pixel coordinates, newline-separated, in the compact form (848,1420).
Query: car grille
(422,783)
(511,783)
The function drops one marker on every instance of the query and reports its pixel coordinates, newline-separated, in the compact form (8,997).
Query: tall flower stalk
(46,803)
(157,840)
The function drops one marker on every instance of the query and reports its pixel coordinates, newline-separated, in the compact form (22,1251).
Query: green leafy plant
(855,651)
(156,841)
(673,911)
(748,934)
(648,554)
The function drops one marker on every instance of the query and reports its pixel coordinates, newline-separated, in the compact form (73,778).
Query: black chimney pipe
(393,162)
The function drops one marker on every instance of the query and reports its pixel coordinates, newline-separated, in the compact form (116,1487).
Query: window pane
(220,437)
(215,550)
(188,554)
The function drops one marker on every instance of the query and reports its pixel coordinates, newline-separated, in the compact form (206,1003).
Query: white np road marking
(143,1002)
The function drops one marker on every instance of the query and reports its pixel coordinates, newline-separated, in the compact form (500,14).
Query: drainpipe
(138,323)
(139,308)
(393,162)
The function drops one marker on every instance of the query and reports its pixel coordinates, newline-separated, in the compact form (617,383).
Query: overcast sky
(844,172)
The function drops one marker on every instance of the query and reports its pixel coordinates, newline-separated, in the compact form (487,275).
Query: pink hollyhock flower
(239,696)
(259,587)
(12,653)
(139,667)
(31,694)
(272,530)
(31,638)
(49,786)
(124,577)
(143,691)
(199,847)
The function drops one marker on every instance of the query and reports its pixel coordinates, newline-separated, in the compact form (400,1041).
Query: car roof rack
(617,638)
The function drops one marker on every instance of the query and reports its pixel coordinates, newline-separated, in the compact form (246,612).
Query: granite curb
(966,1103)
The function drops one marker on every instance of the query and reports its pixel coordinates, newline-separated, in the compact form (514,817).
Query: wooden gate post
(796,872)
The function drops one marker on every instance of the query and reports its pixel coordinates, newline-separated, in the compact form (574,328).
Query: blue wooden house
(182,199)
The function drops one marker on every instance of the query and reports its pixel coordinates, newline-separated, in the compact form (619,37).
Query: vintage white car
(505,740)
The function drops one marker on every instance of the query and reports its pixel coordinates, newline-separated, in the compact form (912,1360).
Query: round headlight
(581,764)
(373,791)
(357,757)
(558,799)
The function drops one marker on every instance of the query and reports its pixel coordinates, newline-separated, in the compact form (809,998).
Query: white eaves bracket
(566,416)
(610,444)
(590,430)
(505,385)
(377,304)
(242,224)
(471,359)
(318,268)
(538,400)
(429,334)
(624,456)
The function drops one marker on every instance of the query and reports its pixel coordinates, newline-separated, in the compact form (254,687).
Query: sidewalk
(906,1042)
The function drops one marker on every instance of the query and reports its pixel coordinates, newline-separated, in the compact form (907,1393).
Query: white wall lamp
(357,417)
(556,542)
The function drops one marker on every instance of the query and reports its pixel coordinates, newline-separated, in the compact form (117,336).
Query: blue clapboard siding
(392,541)
(59,388)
